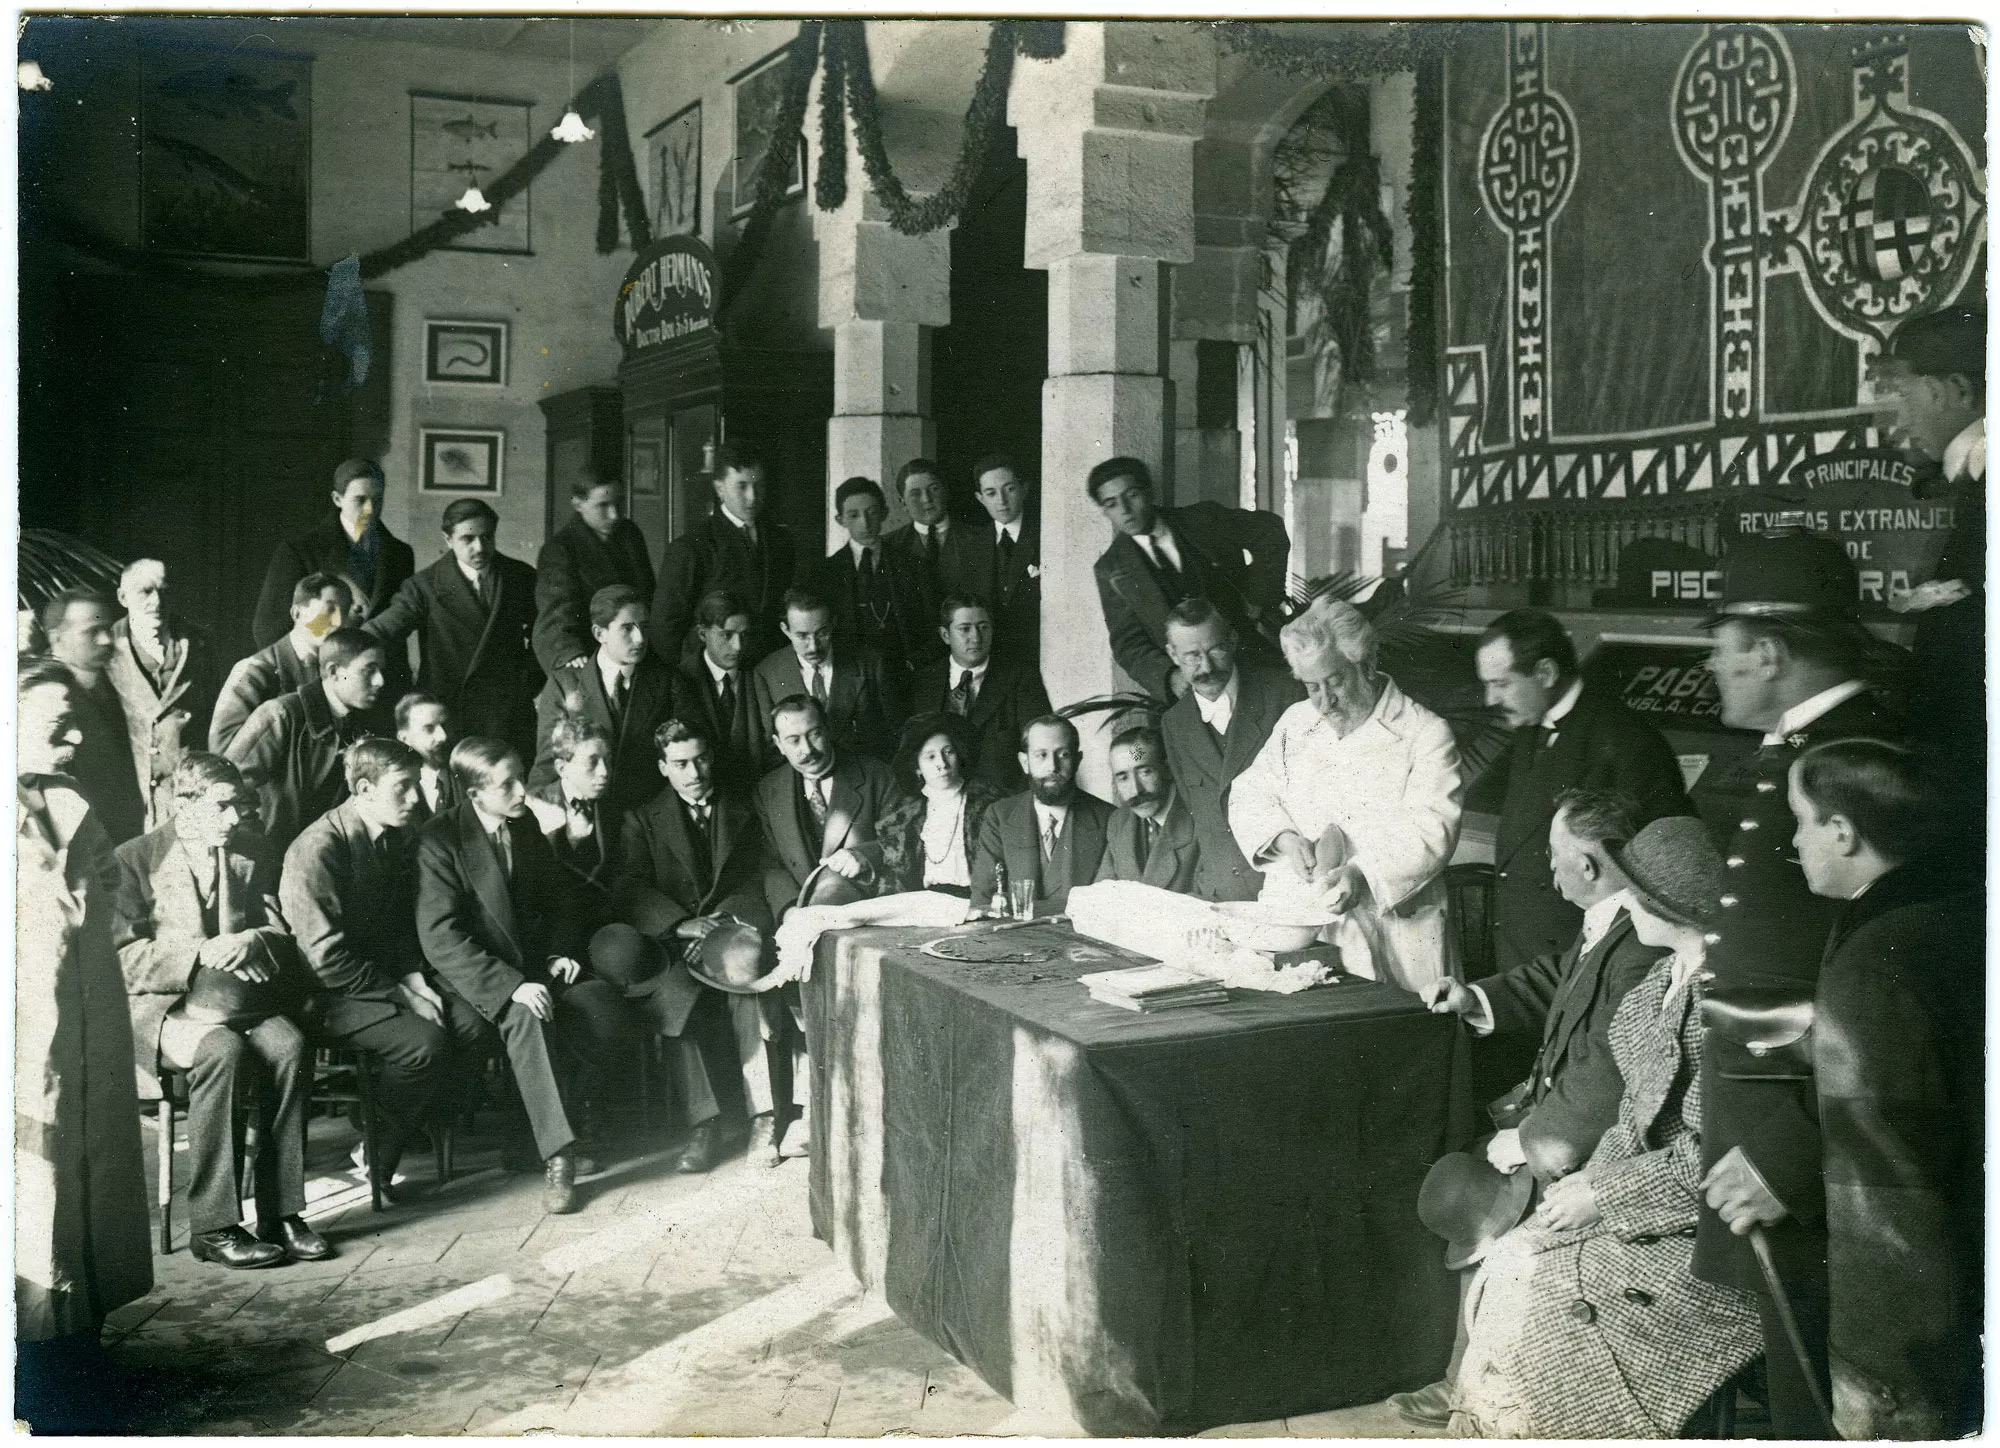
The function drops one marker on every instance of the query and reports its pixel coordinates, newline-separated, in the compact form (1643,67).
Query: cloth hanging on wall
(1671,252)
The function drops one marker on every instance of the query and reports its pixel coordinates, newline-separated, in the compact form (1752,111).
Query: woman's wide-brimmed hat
(1674,869)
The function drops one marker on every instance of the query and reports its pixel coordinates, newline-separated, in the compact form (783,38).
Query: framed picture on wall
(675,148)
(225,153)
(462,459)
(462,141)
(646,460)
(757,95)
(474,353)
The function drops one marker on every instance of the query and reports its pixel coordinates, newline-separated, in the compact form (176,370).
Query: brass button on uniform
(1638,1297)
(1583,1312)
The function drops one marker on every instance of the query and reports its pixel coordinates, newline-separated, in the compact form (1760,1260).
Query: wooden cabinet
(585,428)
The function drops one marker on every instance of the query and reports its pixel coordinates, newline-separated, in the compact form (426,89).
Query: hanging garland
(1318,56)
(1426,189)
(771,179)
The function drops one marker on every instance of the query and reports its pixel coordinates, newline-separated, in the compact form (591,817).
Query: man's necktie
(1049,835)
(960,702)
(868,574)
(582,818)
(816,801)
(726,699)
(615,697)
(1172,585)
(1144,844)
(819,683)
(931,552)
(486,589)
(504,848)
(701,839)
(1003,563)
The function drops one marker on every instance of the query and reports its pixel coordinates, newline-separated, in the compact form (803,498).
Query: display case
(585,429)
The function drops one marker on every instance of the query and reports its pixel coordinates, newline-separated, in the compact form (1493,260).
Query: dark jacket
(448,800)
(482,932)
(889,620)
(1009,833)
(1571,1096)
(103,767)
(325,550)
(158,931)
(477,660)
(1173,859)
(1212,541)
(635,763)
(587,868)
(574,564)
(262,676)
(1899,1060)
(715,554)
(738,741)
(1012,695)
(290,753)
(352,908)
(1770,938)
(1015,596)
(166,712)
(904,550)
(862,793)
(864,709)
(1203,772)
(1599,744)
(902,834)
(664,880)
(1948,649)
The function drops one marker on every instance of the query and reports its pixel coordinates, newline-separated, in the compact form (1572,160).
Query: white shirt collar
(487,823)
(924,530)
(1965,455)
(978,672)
(1223,704)
(806,670)
(1559,710)
(1047,814)
(858,550)
(1012,530)
(1599,918)
(469,576)
(1801,714)
(746,527)
(293,639)
(715,670)
(609,671)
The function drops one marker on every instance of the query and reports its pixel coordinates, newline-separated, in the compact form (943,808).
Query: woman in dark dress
(927,839)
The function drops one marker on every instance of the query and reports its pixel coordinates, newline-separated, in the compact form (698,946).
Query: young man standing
(995,696)
(925,553)
(863,703)
(1001,559)
(738,547)
(713,691)
(625,689)
(596,548)
(354,543)
(78,624)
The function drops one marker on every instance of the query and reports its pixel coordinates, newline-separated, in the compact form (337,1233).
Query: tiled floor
(667,1305)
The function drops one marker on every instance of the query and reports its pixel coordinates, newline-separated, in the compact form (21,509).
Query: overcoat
(1204,771)
(164,714)
(326,549)
(262,676)
(81,1240)
(478,661)
(715,554)
(289,750)
(574,564)
(351,906)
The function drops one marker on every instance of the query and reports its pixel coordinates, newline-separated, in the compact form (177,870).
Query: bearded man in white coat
(1353,804)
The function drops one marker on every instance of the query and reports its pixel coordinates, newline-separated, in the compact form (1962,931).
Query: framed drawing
(646,458)
(225,152)
(461,141)
(675,148)
(757,95)
(462,459)
(465,352)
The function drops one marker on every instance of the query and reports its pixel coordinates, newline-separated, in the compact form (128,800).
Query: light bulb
(29,74)
(571,128)
(472,201)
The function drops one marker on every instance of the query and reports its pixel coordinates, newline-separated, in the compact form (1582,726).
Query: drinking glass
(1021,896)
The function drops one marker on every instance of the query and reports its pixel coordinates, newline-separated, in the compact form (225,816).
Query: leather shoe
(1426,1407)
(798,1139)
(763,1148)
(301,1243)
(703,1146)
(234,1247)
(559,1185)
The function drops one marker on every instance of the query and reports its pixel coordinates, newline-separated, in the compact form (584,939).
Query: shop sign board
(668,298)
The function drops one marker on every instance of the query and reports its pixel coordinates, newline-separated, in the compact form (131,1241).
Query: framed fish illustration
(457,142)
(226,153)
(462,459)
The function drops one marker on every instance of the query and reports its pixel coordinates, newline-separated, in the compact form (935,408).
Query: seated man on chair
(348,892)
(689,864)
(1151,838)
(1052,833)
(213,980)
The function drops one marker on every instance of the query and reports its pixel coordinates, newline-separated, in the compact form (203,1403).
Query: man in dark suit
(348,892)
(1551,1122)
(1900,1075)
(736,548)
(1566,736)
(78,624)
(596,548)
(1001,559)
(289,750)
(575,812)
(165,679)
(214,986)
(321,603)
(473,612)
(1785,662)
(1161,556)
(1213,732)
(714,694)
(874,606)
(354,543)
(425,726)
(1052,834)
(625,689)
(996,697)
(689,862)
(863,702)
(925,553)
(487,887)
(1151,836)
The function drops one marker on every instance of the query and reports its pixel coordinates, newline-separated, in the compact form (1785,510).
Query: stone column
(1108,131)
(881,292)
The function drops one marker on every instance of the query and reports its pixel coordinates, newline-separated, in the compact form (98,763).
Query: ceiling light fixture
(473,201)
(570,129)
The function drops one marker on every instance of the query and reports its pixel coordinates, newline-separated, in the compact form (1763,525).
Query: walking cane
(1761,1245)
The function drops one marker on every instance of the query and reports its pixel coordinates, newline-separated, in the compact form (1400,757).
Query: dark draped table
(1146,1224)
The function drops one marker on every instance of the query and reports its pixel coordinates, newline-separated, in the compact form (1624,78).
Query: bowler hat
(1471,1204)
(627,959)
(735,958)
(354,468)
(1673,868)
(1791,574)
(827,886)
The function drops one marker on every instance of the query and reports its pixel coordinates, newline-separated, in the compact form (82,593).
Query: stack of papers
(1153,988)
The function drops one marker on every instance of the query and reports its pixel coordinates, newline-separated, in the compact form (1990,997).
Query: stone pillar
(881,292)
(1108,131)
